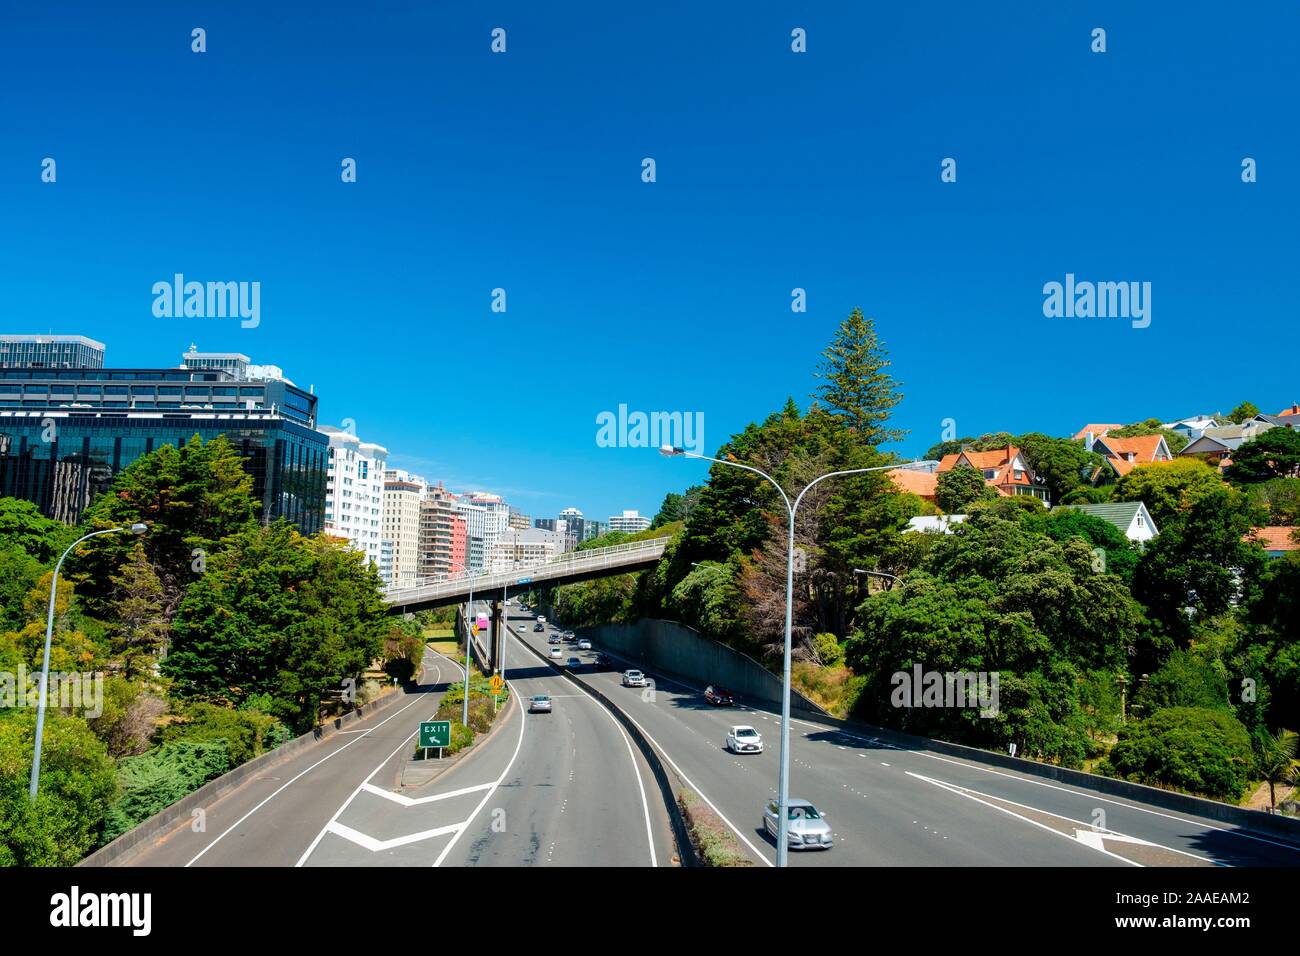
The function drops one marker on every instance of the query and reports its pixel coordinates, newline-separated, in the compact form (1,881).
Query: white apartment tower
(631,521)
(354,491)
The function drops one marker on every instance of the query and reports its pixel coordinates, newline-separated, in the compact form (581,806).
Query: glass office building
(65,433)
(50,351)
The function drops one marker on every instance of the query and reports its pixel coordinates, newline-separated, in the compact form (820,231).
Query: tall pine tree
(856,389)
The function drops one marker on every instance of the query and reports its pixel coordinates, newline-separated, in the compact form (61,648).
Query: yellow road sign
(496,683)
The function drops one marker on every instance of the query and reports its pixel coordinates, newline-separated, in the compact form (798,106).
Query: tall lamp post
(136,529)
(783,791)
(468,637)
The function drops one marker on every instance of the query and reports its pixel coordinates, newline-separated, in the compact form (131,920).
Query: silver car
(541,704)
(808,829)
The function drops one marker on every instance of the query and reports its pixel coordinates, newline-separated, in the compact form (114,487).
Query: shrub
(714,842)
(244,734)
(1196,749)
(157,779)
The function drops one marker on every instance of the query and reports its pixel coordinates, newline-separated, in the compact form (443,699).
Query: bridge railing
(569,561)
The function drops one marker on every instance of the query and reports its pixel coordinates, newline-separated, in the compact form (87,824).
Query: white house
(1131,517)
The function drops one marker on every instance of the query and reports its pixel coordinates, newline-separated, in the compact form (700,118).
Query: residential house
(1122,455)
(1216,445)
(1276,540)
(1191,427)
(1286,418)
(1131,517)
(1096,431)
(920,483)
(1003,468)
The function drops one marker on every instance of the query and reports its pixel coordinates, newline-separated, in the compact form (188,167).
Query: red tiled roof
(999,460)
(1275,537)
(1293,410)
(920,483)
(1097,431)
(1143,447)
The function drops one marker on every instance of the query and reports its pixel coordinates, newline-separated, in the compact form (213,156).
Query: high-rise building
(496,520)
(50,351)
(403,493)
(518,520)
(65,433)
(354,491)
(521,548)
(476,521)
(593,529)
(631,521)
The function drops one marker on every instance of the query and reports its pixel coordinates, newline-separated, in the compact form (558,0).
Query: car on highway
(602,659)
(808,829)
(574,663)
(541,620)
(553,639)
(539,626)
(633,678)
(569,638)
(540,704)
(584,645)
(743,739)
(719,696)
(556,653)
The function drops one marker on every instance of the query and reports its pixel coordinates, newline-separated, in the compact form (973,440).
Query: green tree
(1186,679)
(1273,454)
(1169,488)
(959,487)
(157,779)
(1280,498)
(1199,750)
(1061,524)
(1060,463)
(139,631)
(856,388)
(1243,412)
(23,526)
(190,498)
(19,574)
(278,618)
(77,783)
(1277,756)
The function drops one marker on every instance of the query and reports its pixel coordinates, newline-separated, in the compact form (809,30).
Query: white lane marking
(302,860)
(1084,833)
(418,801)
(493,788)
(645,804)
(374,846)
(225,832)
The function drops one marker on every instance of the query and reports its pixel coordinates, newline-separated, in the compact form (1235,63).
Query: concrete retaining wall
(679,651)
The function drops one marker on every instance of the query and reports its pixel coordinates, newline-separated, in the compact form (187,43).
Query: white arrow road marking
(417,801)
(1083,833)
(374,846)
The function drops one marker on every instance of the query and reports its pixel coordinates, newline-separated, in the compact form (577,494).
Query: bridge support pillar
(498,635)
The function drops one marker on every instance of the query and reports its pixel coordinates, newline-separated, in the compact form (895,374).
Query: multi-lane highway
(891,806)
(560,788)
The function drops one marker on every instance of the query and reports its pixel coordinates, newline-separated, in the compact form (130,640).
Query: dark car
(719,696)
(539,626)
(602,659)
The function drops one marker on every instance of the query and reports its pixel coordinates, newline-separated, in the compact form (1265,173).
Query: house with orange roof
(1096,431)
(920,483)
(1276,540)
(1122,455)
(1003,468)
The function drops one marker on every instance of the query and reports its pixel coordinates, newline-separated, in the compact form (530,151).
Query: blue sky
(775,171)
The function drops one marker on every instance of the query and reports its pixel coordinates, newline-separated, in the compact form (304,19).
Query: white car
(557,653)
(743,739)
(633,678)
(541,619)
(584,645)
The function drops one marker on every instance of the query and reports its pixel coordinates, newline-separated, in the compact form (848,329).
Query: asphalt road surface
(559,788)
(900,807)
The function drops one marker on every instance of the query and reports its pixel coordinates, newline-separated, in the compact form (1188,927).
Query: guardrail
(571,562)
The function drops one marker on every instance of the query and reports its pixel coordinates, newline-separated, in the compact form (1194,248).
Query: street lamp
(879,574)
(783,821)
(136,529)
(468,637)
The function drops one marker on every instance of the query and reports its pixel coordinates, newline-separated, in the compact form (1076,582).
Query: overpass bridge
(495,586)
(568,568)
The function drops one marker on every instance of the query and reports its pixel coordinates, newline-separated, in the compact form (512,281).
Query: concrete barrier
(168,818)
(667,791)
(676,650)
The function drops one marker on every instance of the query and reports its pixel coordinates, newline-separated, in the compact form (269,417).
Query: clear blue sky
(775,170)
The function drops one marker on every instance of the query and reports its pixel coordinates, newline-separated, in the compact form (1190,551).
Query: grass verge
(715,844)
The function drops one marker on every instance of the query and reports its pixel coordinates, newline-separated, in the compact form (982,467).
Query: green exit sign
(435,733)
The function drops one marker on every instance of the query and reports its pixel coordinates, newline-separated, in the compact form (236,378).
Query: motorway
(903,807)
(566,788)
